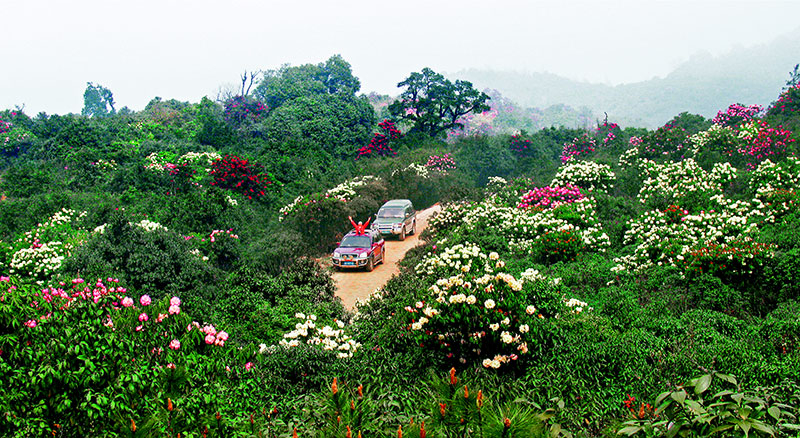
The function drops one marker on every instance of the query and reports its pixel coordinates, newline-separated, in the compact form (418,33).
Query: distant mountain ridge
(702,85)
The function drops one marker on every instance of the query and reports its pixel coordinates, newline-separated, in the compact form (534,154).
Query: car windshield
(356,242)
(390,212)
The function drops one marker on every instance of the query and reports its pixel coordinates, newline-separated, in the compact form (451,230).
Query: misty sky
(186,49)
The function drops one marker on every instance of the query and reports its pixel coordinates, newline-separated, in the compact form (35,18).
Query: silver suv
(396,217)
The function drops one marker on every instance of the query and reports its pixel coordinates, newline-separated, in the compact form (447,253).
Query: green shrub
(147,258)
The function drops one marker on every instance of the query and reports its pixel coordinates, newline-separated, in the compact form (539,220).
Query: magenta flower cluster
(788,101)
(610,130)
(4,126)
(551,197)
(767,143)
(736,114)
(582,145)
(441,163)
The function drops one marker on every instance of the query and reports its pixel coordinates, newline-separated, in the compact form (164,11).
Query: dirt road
(358,284)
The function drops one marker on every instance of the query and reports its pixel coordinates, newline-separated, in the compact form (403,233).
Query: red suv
(360,250)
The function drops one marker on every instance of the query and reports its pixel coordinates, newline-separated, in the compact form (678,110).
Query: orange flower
(466,392)
(442,407)
(453,378)
(352,406)
(169,404)
(506,422)
(133,425)
(422,430)
(334,386)
(294,432)
(479,399)
(349,434)
(218,416)
(360,391)
(400,431)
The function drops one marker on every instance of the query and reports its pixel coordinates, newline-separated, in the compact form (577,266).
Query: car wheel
(414,227)
(402,233)
(370,264)
(383,255)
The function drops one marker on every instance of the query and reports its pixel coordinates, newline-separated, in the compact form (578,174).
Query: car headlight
(363,255)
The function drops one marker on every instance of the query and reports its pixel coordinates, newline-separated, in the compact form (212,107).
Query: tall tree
(98,101)
(433,104)
(315,106)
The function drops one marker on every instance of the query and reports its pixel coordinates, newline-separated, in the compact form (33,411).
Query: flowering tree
(736,114)
(788,102)
(241,109)
(379,146)
(583,145)
(520,146)
(239,175)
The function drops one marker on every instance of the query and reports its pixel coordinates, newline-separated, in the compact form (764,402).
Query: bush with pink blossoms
(579,147)
(76,350)
(762,141)
(736,114)
(550,197)
(788,103)
(441,163)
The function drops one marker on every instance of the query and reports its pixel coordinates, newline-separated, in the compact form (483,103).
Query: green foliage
(147,258)
(481,158)
(692,410)
(315,107)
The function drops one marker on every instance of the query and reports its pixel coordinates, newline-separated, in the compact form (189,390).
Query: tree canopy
(316,105)
(98,101)
(433,104)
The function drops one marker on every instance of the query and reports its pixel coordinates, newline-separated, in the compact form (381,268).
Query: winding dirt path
(357,284)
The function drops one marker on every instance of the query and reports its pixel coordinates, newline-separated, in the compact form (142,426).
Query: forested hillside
(160,269)
(700,85)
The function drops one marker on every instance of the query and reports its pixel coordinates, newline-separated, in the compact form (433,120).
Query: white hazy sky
(186,49)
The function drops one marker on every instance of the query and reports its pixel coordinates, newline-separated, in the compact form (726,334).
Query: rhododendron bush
(477,313)
(380,143)
(67,342)
(242,176)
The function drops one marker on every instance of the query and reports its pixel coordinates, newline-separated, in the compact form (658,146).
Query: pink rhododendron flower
(4,278)
(145,300)
(175,301)
(209,339)
(161,317)
(171,366)
(139,328)
(31,323)
(175,344)
(222,336)
(248,366)
(143,317)
(174,310)
(127,301)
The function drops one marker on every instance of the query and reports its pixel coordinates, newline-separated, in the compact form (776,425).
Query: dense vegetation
(160,273)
